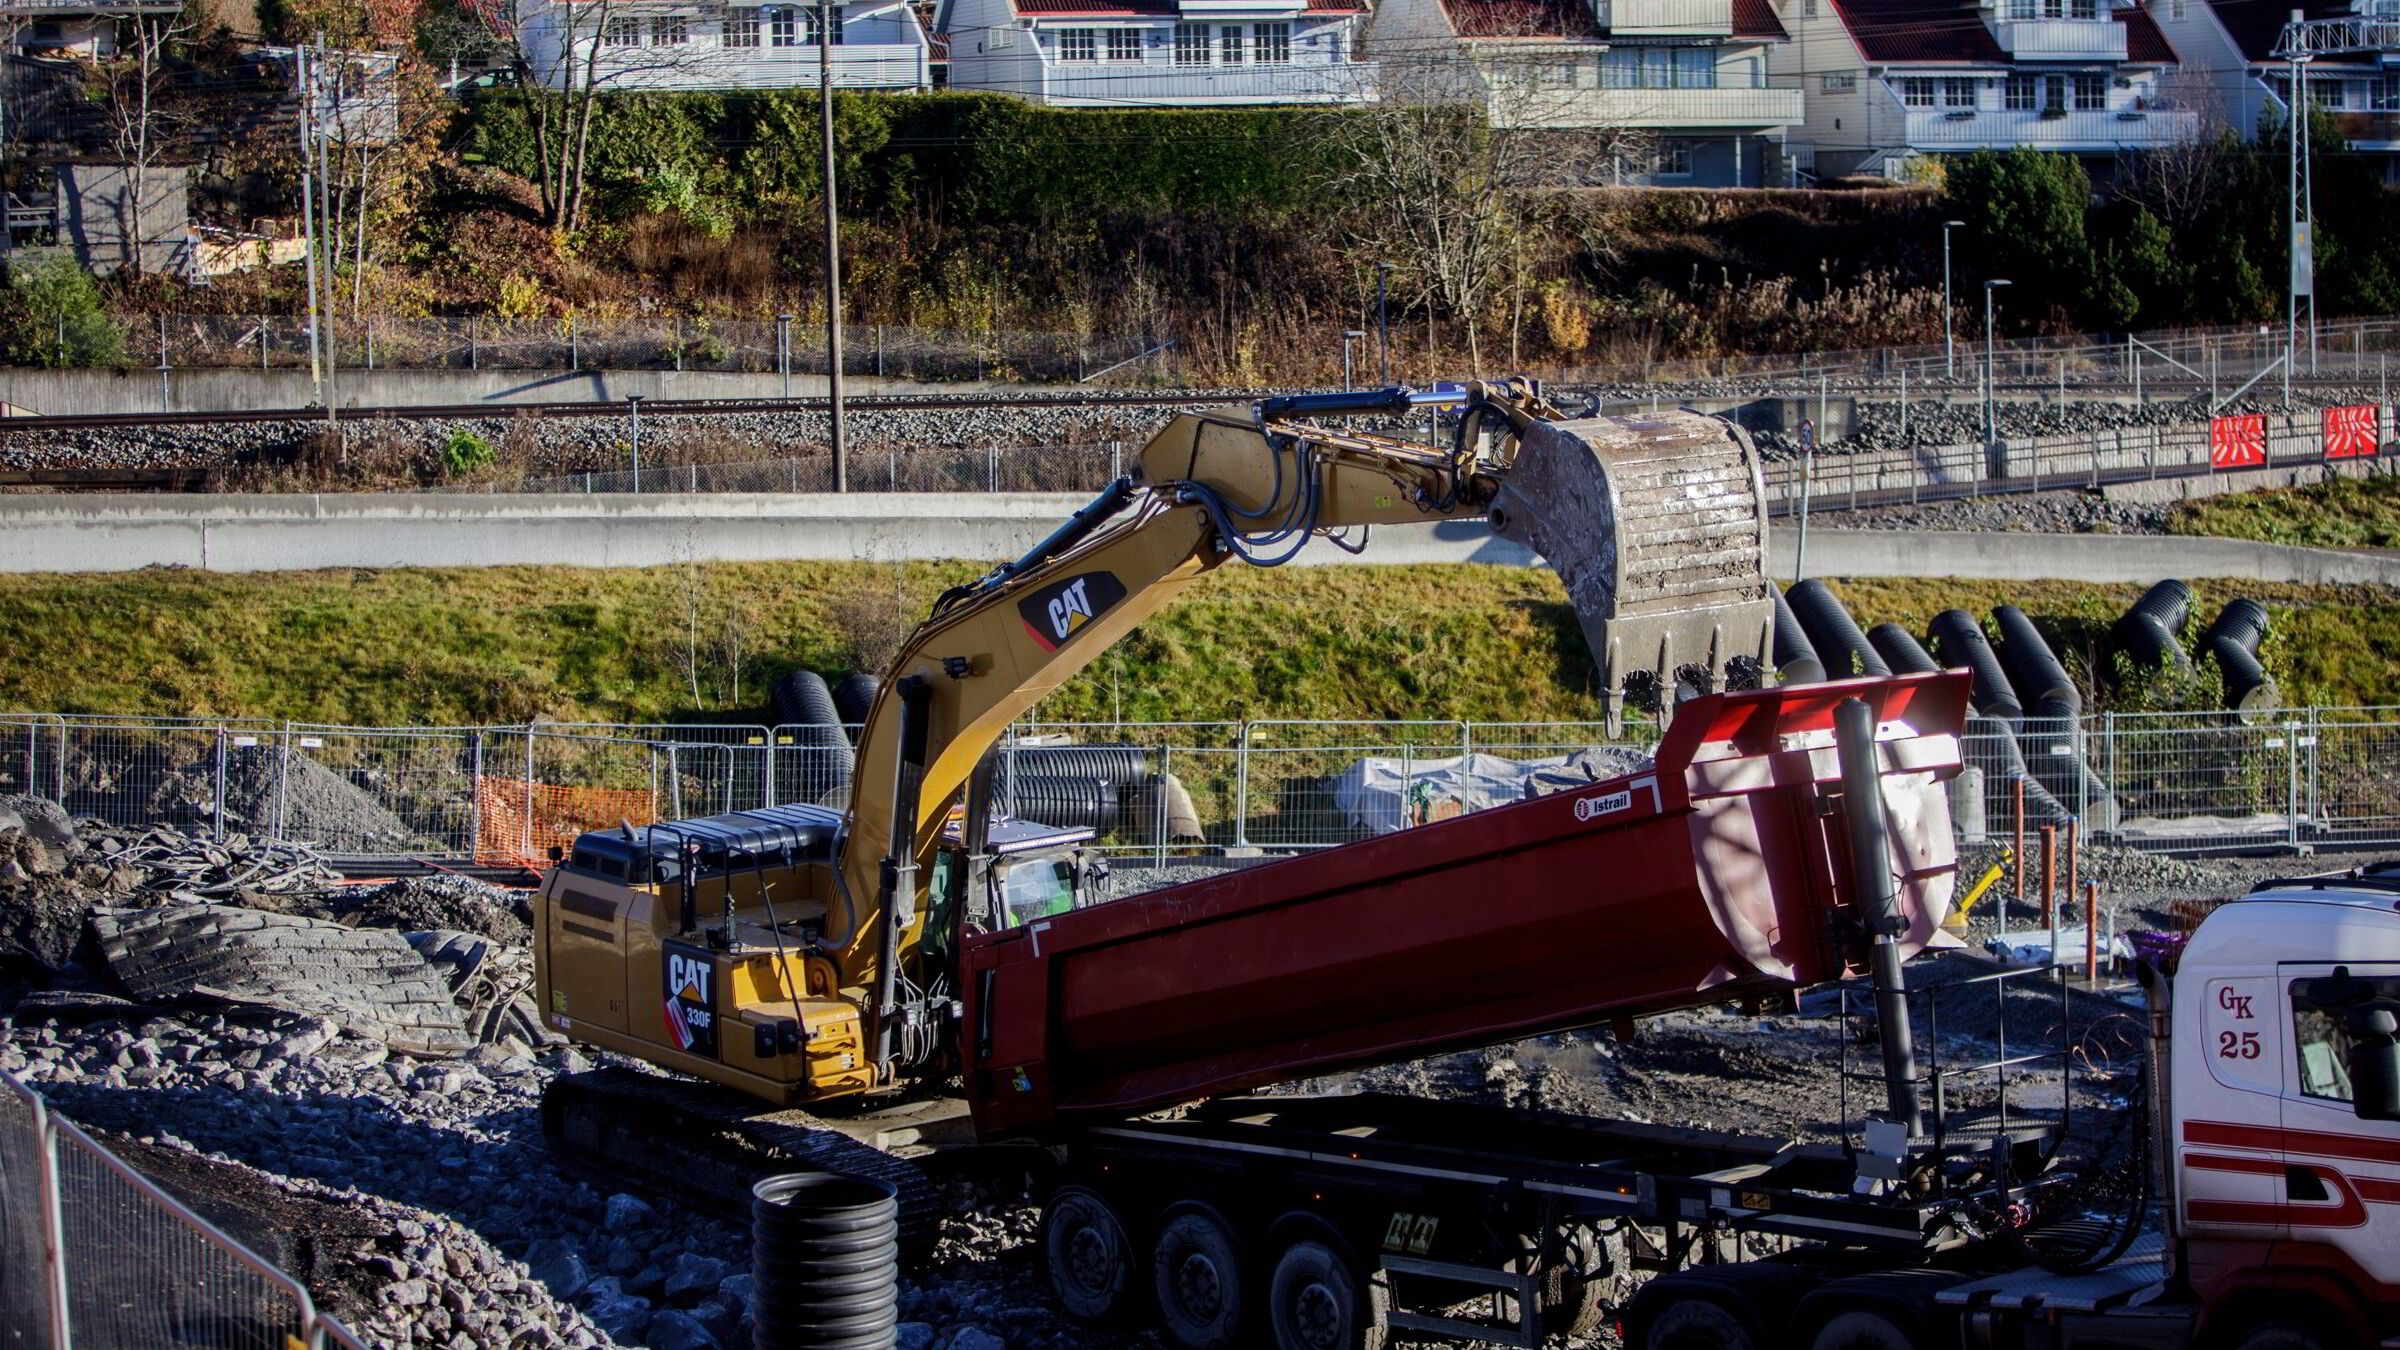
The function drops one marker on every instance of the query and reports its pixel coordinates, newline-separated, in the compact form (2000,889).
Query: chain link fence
(95,1255)
(791,345)
(994,468)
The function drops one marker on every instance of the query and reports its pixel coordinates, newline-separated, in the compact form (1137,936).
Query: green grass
(513,644)
(2343,513)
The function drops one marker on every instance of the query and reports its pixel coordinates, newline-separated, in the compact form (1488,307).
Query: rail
(95,1254)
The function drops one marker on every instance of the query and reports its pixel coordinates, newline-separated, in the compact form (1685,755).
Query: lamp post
(634,402)
(1349,335)
(1383,325)
(1949,346)
(1990,429)
(783,351)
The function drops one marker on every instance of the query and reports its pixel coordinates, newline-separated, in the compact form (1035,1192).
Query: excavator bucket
(1657,524)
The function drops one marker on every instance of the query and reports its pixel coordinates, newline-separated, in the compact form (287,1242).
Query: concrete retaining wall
(271,533)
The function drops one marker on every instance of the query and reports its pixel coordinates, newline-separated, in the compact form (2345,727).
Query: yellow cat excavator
(804,957)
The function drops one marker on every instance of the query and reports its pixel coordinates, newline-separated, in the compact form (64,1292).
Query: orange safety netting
(518,823)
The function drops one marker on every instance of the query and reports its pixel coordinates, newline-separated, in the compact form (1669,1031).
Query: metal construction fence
(993,468)
(764,346)
(97,1256)
(502,794)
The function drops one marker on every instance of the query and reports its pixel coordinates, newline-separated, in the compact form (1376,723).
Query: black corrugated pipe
(824,1263)
(2033,670)
(1067,802)
(2149,632)
(1901,650)
(1991,745)
(2243,621)
(2169,602)
(2249,691)
(854,696)
(2047,739)
(820,754)
(1796,660)
(1960,640)
(1841,648)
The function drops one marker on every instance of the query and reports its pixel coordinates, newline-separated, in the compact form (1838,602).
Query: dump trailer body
(1719,871)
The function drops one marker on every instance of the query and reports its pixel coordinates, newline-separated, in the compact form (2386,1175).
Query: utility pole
(325,233)
(302,104)
(1949,345)
(2303,285)
(1991,431)
(833,243)
(1383,326)
(1349,335)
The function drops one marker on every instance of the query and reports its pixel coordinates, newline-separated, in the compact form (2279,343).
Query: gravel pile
(2030,512)
(415,904)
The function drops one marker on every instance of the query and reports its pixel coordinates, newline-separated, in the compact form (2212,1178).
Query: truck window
(1036,890)
(2322,1045)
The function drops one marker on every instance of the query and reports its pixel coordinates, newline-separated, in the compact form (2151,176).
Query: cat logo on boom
(1059,610)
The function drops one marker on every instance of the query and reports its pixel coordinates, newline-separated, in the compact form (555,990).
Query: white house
(679,44)
(1889,82)
(2229,47)
(1691,76)
(74,28)
(1159,53)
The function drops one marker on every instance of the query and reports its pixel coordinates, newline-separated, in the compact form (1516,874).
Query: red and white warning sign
(2350,433)
(2237,442)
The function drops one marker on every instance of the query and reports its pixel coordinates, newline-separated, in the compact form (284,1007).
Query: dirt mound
(463,904)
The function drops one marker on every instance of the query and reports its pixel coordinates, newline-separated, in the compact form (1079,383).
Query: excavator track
(704,1146)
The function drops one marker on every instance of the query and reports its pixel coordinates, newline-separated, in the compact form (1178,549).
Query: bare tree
(143,118)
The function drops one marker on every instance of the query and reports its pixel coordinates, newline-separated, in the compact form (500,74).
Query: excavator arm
(1256,485)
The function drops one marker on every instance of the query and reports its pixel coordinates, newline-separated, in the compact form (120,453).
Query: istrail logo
(1592,808)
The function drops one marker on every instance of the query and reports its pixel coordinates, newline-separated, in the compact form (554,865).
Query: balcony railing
(699,65)
(1727,109)
(1132,84)
(2093,132)
(1636,18)
(2063,39)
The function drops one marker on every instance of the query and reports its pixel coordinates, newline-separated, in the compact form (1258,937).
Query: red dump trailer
(1720,871)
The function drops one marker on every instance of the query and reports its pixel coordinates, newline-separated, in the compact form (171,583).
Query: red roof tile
(1521,18)
(1919,31)
(1757,19)
(2143,40)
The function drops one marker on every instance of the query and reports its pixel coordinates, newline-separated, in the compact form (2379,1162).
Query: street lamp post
(634,402)
(1383,325)
(1949,346)
(1990,429)
(1349,335)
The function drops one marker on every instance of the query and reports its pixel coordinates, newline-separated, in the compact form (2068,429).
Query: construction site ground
(416,1197)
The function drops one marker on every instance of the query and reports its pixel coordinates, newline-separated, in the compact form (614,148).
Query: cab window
(1036,890)
(2321,1042)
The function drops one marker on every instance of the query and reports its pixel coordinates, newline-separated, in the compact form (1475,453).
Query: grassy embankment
(514,644)
(2343,513)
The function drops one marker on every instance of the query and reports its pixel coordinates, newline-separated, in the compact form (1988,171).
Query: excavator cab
(1025,871)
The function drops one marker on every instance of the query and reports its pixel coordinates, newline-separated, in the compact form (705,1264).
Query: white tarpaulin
(1382,795)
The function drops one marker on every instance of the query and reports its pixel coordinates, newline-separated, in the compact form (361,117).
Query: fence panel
(2189,783)
(2350,783)
(143,1272)
(28,1290)
(378,791)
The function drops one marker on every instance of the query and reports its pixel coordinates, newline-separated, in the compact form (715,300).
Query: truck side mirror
(2375,1067)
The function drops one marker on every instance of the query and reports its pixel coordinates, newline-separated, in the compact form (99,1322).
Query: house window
(1078,44)
(2024,9)
(2331,93)
(1674,160)
(2020,93)
(1695,68)
(1841,84)
(1958,93)
(838,16)
(783,27)
(2387,92)
(2091,93)
(1230,45)
(1125,45)
(670,30)
(1916,92)
(1274,44)
(741,28)
(622,32)
(2178,9)
(1808,9)
(1191,44)
(1620,68)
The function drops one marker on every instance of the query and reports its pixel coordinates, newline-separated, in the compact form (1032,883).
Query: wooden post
(2073,837)
(2049,870)
(2091,932)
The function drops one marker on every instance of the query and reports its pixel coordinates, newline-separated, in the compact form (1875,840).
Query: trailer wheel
(1864,1329)
(1697,1323)
(2280,1334)
(1318,1302)
(1091,1259)
(1196,1269)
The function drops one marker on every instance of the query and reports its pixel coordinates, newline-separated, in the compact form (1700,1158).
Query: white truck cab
(2283,1127)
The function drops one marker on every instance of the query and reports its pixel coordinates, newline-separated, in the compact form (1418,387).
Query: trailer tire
(1090,1256)
(1196,1272)
(2281,1334)
(1696,1322)
(1864,1329)
(1317,1301)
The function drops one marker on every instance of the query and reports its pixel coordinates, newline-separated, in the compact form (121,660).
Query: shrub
(53,318)
(465,453)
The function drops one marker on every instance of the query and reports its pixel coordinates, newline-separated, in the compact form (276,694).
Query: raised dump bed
(1719,871)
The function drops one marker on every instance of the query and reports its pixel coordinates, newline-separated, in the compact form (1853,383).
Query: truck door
(2228,1090)
(2343,1173)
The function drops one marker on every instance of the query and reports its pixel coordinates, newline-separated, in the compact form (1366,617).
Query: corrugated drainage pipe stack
(2151,632)
(825,1256)
(1839,645)
(1960,640)
(854,696)
(2053,707)
(819,751)
(1796,659)
(2234,640)
(1989,747)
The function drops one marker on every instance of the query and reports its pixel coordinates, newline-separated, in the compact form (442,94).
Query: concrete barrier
(58,533)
